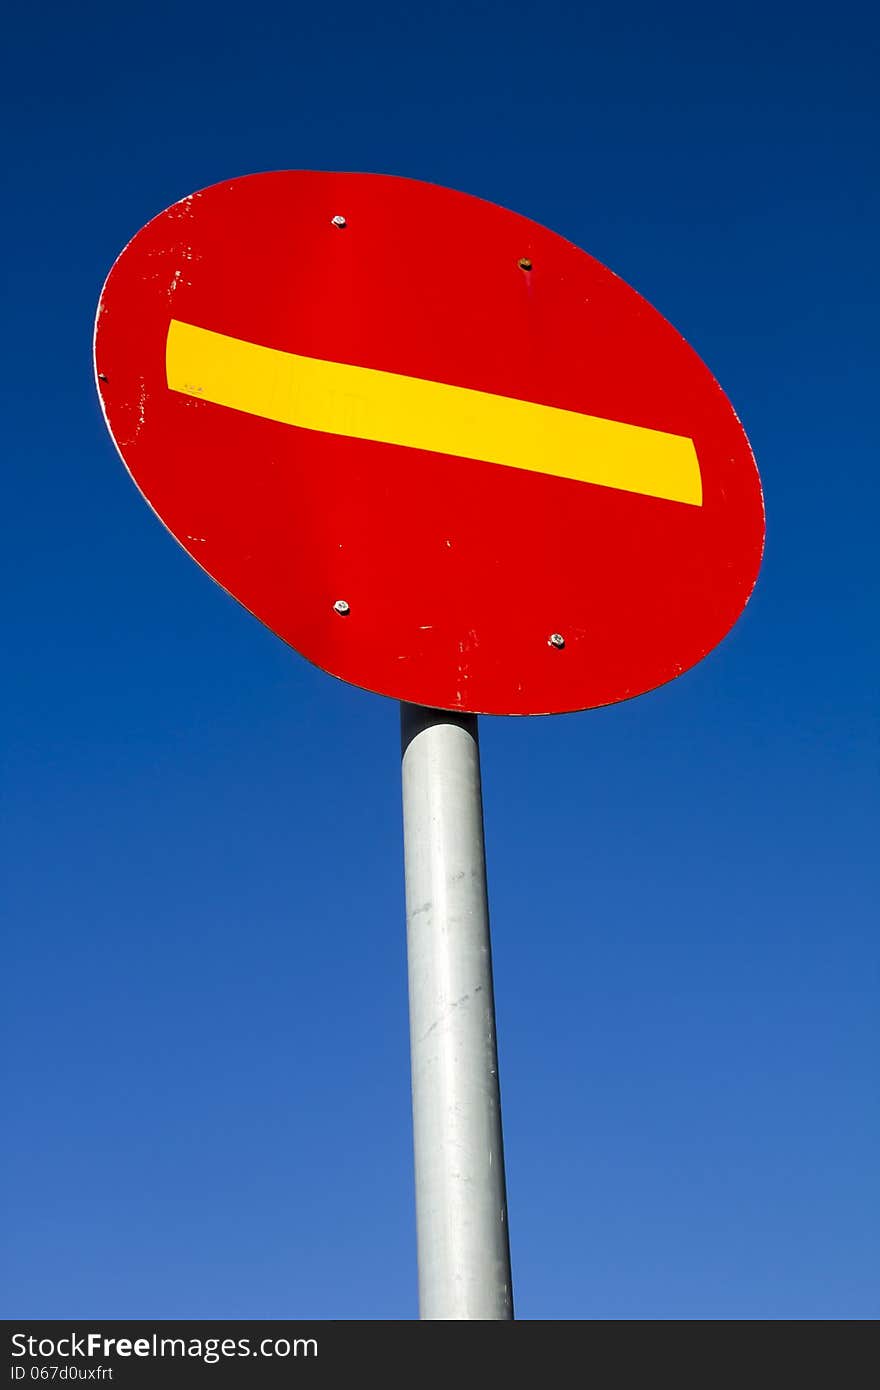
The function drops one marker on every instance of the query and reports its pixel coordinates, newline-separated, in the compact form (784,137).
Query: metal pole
(461,1205)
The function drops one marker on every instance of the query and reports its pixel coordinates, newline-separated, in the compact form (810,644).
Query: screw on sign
(358,385)
(452,459)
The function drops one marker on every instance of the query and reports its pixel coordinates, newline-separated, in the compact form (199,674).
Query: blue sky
(209,1084)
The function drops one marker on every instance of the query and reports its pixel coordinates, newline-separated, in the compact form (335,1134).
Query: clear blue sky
(209,1082)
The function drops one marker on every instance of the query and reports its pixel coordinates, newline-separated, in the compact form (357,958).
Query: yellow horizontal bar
(363,403)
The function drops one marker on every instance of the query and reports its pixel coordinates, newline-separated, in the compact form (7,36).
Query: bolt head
(556,639)
(524,263)
(340,606)
(338,220)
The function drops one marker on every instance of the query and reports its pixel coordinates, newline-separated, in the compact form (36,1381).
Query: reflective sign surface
(439,450)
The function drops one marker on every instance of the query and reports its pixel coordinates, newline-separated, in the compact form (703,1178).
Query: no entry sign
(438,449)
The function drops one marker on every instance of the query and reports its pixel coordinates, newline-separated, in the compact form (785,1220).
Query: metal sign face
(442,452)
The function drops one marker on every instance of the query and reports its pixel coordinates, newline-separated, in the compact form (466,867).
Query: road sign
(439,450)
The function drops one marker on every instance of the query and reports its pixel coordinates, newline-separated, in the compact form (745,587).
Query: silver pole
(461,1206)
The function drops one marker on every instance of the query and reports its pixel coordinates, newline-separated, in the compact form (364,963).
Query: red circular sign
(442,452)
